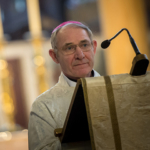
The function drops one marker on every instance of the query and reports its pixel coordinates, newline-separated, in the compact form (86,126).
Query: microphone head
(105,44)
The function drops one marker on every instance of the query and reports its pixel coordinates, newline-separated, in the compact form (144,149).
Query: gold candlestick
(6,95)
(36,34)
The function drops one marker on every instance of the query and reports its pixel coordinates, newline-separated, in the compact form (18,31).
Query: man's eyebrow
(84,41)
(73,43)
(67,44)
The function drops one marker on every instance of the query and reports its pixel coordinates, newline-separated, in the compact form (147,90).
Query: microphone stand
(139,65)
(140,61)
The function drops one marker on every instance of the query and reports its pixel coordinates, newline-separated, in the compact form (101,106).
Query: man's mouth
(80,64)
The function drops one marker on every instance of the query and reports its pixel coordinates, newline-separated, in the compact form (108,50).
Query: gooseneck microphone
(106,43)
(140,61)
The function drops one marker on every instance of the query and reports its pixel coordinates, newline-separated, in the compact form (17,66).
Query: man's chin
(80,73)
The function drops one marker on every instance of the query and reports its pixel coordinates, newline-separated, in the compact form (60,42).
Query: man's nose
(79,53)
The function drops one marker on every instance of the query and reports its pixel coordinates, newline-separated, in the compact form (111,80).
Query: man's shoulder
(56,94)
(49,94)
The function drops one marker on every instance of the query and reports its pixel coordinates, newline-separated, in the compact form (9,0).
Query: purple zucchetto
(64,23)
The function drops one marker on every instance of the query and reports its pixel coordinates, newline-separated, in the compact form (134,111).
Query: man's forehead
(69,30)
(69,27)
(69,34)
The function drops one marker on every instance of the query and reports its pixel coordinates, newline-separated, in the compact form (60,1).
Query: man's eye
(69,48)
(85,45)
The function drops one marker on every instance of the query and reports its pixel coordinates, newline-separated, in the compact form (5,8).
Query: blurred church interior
(26,70)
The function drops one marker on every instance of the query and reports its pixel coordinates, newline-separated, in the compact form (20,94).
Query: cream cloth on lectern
(132,102)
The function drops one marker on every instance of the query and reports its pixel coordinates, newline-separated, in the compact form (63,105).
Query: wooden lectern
(108,113)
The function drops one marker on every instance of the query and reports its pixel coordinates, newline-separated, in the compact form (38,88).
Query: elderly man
(74,49)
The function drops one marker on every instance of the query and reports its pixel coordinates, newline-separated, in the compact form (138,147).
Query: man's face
(79,64)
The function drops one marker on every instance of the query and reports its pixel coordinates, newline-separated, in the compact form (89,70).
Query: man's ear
(53,56)
(94,45)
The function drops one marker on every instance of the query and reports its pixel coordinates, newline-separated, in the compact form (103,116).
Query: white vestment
(48,113)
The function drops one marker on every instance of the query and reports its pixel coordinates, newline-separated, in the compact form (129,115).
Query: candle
(1,27)
(34,18)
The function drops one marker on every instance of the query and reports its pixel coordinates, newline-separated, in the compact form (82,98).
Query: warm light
(5,135)
(4,73)
(40,70)
(25,130)
(8,106)
(3,64)
(5,96)
(39,60)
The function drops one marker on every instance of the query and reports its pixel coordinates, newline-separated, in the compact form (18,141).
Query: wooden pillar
(118,14)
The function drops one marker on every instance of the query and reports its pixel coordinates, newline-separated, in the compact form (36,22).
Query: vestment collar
(73,83)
